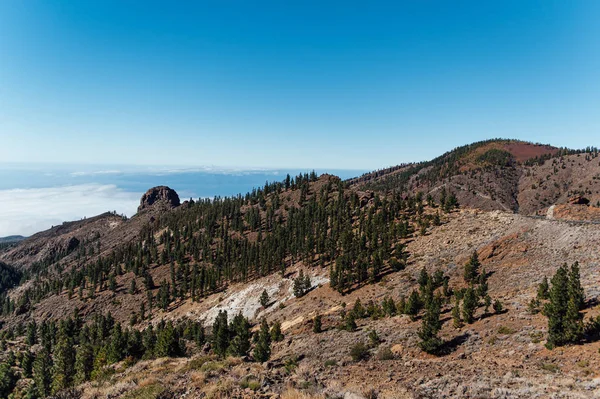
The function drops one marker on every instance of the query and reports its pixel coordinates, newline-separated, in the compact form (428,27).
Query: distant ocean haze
(34,198)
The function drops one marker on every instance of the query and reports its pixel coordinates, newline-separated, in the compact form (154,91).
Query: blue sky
(288,84)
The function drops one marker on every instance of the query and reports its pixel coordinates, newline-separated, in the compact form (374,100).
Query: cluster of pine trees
(235,338)
(55,355)
(212,242)
(562,302)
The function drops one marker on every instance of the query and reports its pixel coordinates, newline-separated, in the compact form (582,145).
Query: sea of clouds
(27,211)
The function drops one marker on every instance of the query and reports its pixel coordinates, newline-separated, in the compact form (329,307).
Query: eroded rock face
(162,195)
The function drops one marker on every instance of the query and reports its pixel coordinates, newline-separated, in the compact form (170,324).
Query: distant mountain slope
(360,256)
(497,175)
(10,239)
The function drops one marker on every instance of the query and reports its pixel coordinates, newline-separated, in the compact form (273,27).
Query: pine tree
(220,334)
(575,289)
(456,320)
(8,380)
(84,362)
(132,287)
(264,299)
(472,268)
(317,324)
(542,292)
(556,309)
(167,342)
(240,328)
(413,305)
(63,369)
(487,302)
(482,288)
(112,283)
(498,307)
(31,338)
(301,284)
(423,278)
(117,344)
(276,334)
(469,305)
(262,349)
(27,364)
(42,372)
(430,326)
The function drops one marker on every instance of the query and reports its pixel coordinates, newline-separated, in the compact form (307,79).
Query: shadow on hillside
(453,344)
(590,303)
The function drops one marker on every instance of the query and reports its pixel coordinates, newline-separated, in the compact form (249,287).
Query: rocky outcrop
(161,195)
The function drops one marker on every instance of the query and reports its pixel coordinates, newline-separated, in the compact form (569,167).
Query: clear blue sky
(345,84)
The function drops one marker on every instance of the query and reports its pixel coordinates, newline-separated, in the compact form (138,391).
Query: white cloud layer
(27,211)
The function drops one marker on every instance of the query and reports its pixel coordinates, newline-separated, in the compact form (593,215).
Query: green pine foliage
(262,349)
(469,305)
(430,326)
(472,268)
(264,299)
(317,324)
(563,310)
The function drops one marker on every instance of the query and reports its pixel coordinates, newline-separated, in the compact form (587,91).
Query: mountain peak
(161,195)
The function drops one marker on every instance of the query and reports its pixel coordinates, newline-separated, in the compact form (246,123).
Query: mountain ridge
(368,239)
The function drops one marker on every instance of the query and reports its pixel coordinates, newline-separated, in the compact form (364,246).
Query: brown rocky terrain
(524,219)
(499,175)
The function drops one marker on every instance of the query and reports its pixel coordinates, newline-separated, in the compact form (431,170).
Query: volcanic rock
(161,195)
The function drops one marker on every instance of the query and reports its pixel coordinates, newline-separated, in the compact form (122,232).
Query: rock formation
(161,195)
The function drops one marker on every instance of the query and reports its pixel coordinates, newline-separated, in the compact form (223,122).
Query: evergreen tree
(167,342)
(42,372)
(264,299)
(430,326)
(482,288)
(63,369)
(472,268)
(423,278)
(413,305)
(240,344)
(469,305)
(84,362)
(27,364)
(112,283)
(575,289)
(498,306)
(556,309)
(8,380)
(31,338)
(276,334)
(262,349)
(220,334)
(301,284)
(132,287)
(317,324)
(117,344)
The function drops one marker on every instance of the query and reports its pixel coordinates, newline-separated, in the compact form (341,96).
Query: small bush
(385,353)
(359,352)
(551,367)
(330,363)
(505,330)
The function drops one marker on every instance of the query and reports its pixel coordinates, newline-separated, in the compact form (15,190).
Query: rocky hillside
(345,277)
(498,175)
